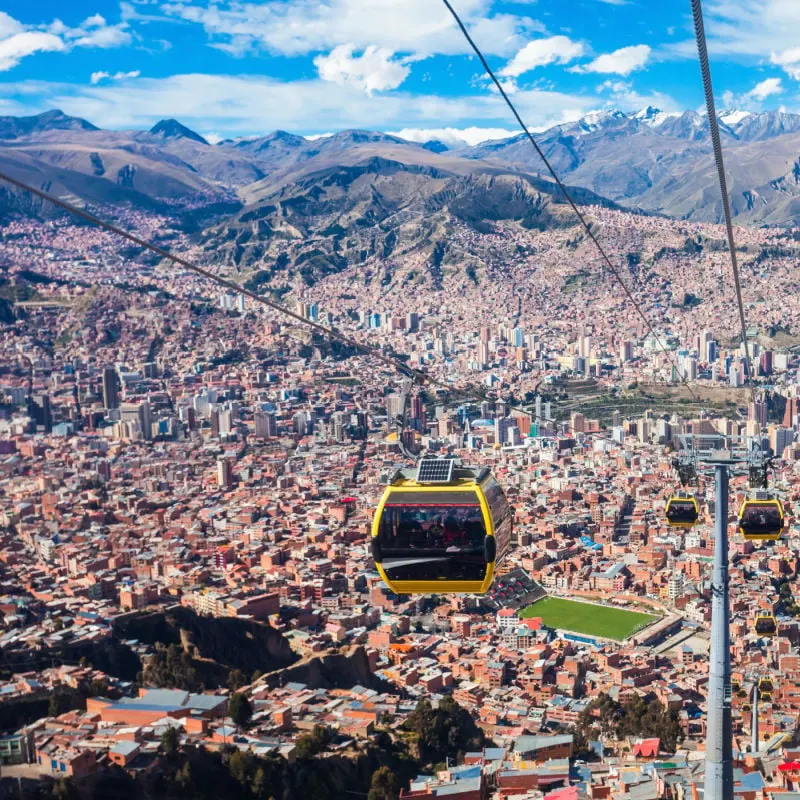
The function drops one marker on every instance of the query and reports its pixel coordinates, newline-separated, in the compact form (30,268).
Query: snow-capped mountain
(654,116)
(662,161)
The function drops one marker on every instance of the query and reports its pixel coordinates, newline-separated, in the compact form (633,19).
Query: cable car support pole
(719,747)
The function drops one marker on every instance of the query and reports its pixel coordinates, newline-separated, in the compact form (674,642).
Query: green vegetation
(373,769)
(639,716)
(170,668)
(170,741)
(239,708)
(575,282)
(586,618)
(444,731)
(384,786)
(312,744)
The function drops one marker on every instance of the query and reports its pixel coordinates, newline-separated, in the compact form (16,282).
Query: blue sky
(316,66)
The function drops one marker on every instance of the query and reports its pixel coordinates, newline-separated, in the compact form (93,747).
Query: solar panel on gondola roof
(435,470)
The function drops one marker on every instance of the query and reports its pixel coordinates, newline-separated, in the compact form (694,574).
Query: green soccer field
(587,618)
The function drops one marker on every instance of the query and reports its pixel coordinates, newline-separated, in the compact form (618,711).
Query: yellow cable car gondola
(761,520)
(682,511)
(766,625)
(764,687)
(442,527)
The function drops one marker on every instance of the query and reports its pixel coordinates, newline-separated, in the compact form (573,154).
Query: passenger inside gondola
(761,520)
(682,512)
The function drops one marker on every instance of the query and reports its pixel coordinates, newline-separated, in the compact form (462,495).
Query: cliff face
(333,671)
(216,645)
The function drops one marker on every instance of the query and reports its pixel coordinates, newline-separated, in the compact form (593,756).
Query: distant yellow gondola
(682,511)
(761,520)
(441,528)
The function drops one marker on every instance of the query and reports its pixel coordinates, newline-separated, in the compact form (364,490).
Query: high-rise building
(790,413)
(577,422)
(303,423)
(138,419)
(757,412)
(394,406)
(225,422)
(626,352)
(266,427)
(412,322)
(779,439)
(40,410)
(337,426)
(110,388)
(501,426)
(224,473)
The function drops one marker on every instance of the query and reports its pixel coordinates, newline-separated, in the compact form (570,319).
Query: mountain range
(353,194)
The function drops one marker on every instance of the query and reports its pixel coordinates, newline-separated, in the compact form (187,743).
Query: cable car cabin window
(438,529)
(682,511)
(759,520)
(422,542)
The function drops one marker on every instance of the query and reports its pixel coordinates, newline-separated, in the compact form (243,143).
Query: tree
(184,776)
(446,731)
(236,678)
(259,787)
(384,786)
(239,766)
(239,708)
(310,744)
(65,790)
(170,741)
(57,705)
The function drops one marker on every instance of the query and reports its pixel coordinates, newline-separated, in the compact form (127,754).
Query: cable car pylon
(718,780)
(724,460)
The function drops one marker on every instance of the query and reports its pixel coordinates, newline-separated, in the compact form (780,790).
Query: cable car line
(418,376)
(614,271)
(713,124)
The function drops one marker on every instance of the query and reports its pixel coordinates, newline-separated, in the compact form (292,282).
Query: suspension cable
(713,124)
(610,266)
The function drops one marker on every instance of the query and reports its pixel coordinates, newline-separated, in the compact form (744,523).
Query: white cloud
(620,62)
(373,71)
(14,48)
(227,104)
(9,26)
(789,61)
(18,41)
(106,37)
(454,137)
(96,77)
(755,28)
(540,52)
(303,26)
(766,88)
(618,87)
